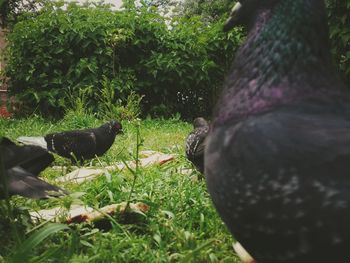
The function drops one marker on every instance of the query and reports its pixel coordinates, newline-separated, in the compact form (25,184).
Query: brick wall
(3,87)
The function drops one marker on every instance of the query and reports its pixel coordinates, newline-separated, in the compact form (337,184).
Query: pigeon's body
(78,145)
(277,161)
(195,143)
(22,165)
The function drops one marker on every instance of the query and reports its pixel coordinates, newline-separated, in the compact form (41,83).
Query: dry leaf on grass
(83,174)
(80,214)
(110,210)
(55,213)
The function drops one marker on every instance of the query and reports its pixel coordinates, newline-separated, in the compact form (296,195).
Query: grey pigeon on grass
(277,160)
(21,167)
(195,143)
(78,145)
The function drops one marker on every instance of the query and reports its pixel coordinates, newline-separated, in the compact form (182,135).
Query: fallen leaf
(54,213)
(80,175)
(83,174)
(80,214)
(109,210)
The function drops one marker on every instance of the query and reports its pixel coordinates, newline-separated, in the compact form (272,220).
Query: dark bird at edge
(78,145)
(195,143)
(21,167)
(277,160)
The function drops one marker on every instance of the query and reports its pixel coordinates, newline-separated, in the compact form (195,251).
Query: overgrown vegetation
(208,10)
(181,226)
(175,66)
(167,65)
(10,10)
(339,21)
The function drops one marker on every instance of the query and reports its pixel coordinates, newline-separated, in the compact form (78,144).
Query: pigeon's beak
(232,20)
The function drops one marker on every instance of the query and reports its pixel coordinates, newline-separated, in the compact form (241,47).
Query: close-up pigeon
(277,160)
(195,143)
(21,167)
(78,145)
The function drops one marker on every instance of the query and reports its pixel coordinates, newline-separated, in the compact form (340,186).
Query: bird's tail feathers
(25,184)
(38,141)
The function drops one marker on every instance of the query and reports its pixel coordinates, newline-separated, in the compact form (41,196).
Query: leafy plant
(177,63)
(61,50)
(25,249)
(208,10)
(11,9)
(339,22)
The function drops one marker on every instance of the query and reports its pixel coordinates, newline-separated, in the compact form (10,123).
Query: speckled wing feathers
(289,174)
(21,182)
(195,145)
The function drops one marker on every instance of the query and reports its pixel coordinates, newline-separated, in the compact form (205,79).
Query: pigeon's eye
(117,126)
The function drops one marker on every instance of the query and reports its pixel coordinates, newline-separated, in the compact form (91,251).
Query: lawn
(180,226)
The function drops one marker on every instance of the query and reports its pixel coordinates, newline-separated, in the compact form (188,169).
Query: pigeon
(78,145)
(21,166)
(195,143)
(277,157)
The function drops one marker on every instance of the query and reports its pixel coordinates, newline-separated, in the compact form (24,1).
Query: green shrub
(190,68)
(58,51)
(175,66)
(339,23)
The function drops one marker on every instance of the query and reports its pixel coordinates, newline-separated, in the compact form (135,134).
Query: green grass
(181,226)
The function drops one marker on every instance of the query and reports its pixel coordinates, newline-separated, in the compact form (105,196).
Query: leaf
(85,243)
(25,249)
(345,38)
(157,238)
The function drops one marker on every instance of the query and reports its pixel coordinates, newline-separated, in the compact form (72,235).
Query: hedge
(177,66)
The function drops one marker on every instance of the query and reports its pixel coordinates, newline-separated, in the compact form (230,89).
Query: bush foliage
(339,23)
(173,65)
(168,66)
